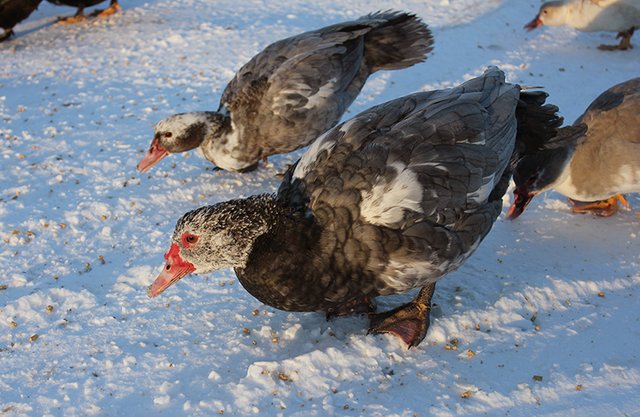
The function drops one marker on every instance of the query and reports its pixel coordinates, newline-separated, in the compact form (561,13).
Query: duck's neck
(281,267)
(272,225)
(192,129)
(556,165)
(216,123)
(252,218)
(228,147)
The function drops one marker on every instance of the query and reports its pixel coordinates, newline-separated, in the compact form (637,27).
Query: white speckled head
(179,133)
(212,238)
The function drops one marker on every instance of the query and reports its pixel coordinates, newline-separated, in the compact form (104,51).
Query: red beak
(174,269)
(534,24)
(522,200)
(153,156)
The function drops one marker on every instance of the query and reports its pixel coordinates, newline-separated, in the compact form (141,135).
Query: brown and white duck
(622,16)
(386,202)
(293,91)
(13,12)
(593,169)
(114,7)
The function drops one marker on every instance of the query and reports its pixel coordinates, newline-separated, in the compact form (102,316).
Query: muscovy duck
(389,201)
(293,91)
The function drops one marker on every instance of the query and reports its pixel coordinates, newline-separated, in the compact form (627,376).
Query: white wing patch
(288,97)
(385,204)
(482,194)
(403,276)
(322,143)
(320,97)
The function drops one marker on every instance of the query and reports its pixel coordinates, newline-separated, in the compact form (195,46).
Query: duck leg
(410,321)
(6,34)
(113,8)
(625,42)
(602,208)
(78,17)
(364,305)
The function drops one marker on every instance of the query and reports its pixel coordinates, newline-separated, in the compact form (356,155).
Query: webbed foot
(602,208)
(410,321)
(112,9)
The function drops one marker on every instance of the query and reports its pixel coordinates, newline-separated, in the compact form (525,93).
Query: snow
(542,320)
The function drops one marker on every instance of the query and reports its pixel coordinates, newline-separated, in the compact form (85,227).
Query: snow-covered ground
(543,320)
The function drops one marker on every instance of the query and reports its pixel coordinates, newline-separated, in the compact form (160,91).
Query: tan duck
(599,167)
(622,16)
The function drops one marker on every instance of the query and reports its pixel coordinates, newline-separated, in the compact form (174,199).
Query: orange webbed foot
(71,19)
(601,208)
(112,9)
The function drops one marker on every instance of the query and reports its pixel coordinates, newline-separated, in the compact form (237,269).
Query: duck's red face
(155,153)
(174,269)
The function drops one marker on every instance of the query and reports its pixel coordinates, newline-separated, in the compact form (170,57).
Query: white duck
(293,91)
(622,16)
(390,200)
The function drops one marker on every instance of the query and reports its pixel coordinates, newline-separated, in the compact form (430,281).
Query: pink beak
(174,269)
(534,24)
(522,200)
(153,156)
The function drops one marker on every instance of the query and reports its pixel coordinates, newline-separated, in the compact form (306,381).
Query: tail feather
(401,40)
(539,126)
(539,137)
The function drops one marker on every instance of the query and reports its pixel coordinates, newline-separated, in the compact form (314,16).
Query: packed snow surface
(544,319)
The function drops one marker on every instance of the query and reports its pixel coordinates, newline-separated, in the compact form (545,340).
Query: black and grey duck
(293,91)
(389,201)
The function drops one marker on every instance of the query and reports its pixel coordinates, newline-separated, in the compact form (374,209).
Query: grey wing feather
(421,170)
(297,88)
(456,143)
(306,81)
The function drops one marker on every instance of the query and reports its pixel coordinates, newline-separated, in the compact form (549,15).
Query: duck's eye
(189,239)
(168,134)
